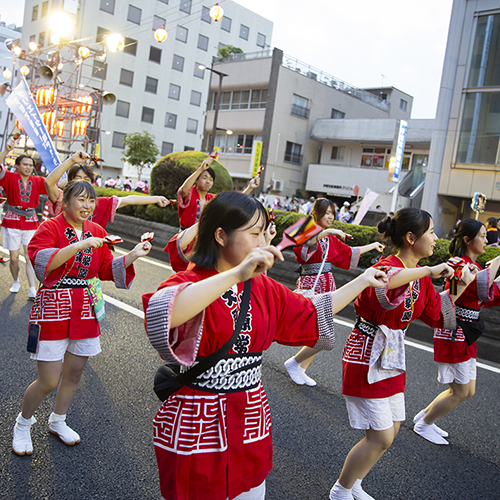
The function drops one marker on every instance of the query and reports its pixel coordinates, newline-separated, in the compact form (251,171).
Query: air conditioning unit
(278,184)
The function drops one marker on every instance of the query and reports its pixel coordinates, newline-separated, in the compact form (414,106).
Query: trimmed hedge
(362,235)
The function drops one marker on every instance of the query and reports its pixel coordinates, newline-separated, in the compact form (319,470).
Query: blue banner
(24,108)
(400,149)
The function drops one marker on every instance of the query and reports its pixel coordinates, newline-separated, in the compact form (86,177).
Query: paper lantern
(46,96)
(78,127)
(161,35)
(216,12)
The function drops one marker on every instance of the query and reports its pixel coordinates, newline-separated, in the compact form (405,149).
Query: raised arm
(253,184)
(189,182)
(137,199)
(10,146)
(188,235)
(53,178)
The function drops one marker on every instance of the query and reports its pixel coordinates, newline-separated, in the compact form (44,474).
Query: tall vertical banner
(398,149)
(24,108)
(257,152)
(370,197)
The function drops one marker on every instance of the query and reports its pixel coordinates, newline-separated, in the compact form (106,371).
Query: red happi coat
(178,259)
(452,349)
(105,209)
(67,312)
(395,309)
(189,208)
(214,446)
(22,196)
(339,255)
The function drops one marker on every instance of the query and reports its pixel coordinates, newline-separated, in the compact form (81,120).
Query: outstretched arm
(253,184)
(189,182)
(10,146)
(188,235)
(136,199)
(52,179)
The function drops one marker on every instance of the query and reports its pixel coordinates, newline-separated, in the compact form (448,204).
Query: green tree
(141,150)
(225,52)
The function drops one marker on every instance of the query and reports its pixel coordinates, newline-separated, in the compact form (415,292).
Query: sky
(357,41)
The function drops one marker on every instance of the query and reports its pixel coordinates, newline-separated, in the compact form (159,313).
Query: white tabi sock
(420,415)
(295,371)
(359,493)
(58,426)
(21,441)
(338,492)
(15,287)
(307,379)
(427,432)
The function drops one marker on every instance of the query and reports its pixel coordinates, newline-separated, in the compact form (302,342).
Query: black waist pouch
(472,331)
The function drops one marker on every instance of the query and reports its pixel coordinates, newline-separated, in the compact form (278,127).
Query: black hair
(77,188)
(230,210)
(211,171)
(86,170)
(319,208)
(405,220)
(467,228)
(492,221)
(20,158)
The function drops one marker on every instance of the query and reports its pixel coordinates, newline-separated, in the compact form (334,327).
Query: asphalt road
(114,407)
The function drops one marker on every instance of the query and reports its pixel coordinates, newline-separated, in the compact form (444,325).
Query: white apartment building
(12,32)
(300,113)
(158,86)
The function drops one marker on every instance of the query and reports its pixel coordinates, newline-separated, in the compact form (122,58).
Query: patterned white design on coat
(257,416)
(58,308)
(358,349)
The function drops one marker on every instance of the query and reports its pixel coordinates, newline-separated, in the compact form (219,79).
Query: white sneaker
(420,415)
(31,293)
(338,492)
(15,287)
(58,426)
(359,493)
(427,432)
(295,371)
(21,440)
(308,380)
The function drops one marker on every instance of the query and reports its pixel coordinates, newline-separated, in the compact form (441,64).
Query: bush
(172,170)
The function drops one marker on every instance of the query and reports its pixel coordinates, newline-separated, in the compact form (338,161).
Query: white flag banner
(369,198)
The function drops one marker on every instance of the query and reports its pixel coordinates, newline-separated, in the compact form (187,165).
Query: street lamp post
(217,104)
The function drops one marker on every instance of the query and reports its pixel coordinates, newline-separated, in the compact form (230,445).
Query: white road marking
(140,314)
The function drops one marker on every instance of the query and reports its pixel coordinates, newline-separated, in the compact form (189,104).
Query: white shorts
(377,414)
(54,350)
(460,373)
(13,238)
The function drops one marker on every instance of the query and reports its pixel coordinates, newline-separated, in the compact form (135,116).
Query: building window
(403,105)
(34,13)
(130,46)
(174,92)
(32,39)
(166,147)
(163,1)
(225,24)
(185,6)
(374,157)
(170,120)
(106,5)
(337,115)
(41,39)
(99,69)
(300,106)
(199,73)
(383,96)
(236,144)
(134,14)
(178,63)
(293,153)
(192,126)
(118,138)
(203,42)
(155,54)
(205,15)
(188,148)
(338,152)
(244,32)
(151,85)
(195,98)
(158,22)
(45,8)
(479,140)
(261,40)
(181,34)
(127,77)
(240,99)
(122,109)
(101,34)
(148,114)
